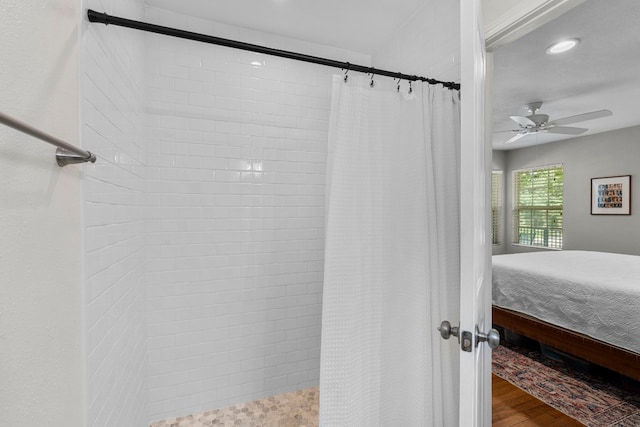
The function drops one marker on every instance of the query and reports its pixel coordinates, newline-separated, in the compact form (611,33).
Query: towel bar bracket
(64,157)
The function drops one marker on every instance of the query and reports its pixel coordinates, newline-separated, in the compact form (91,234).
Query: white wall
(427,45)
(235,196)
(40,311)
(605,154)
(113,127)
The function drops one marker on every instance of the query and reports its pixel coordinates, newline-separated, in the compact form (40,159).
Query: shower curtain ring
(372,82)
(410,88)
(346,73)
(398,87)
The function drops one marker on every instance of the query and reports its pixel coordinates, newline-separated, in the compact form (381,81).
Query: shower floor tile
(296,409)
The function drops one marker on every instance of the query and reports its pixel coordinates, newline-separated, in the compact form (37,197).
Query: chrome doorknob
(446,330)
(492,338)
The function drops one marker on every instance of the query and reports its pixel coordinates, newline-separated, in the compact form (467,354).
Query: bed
(584,303)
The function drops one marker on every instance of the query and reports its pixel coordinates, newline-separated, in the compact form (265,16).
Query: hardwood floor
(513,407)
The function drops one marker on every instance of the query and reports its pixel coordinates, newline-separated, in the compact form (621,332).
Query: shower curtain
(391,256)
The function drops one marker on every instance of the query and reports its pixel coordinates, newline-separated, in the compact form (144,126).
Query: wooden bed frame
(615,358)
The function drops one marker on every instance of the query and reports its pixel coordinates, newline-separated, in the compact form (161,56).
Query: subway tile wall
(212,196)
(113,127)
(235,213)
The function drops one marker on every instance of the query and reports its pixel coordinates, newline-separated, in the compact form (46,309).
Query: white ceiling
(603,72)
(357,25)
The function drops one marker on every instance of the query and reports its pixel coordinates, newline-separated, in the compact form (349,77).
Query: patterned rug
(593,402)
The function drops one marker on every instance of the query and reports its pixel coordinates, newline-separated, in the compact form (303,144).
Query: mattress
(593,293)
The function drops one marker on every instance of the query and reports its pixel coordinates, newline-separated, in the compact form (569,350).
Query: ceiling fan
(534,122)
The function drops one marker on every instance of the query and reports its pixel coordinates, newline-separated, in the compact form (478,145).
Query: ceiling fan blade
(523,121)
(582,117)
(505,131)
(566,130)
(516,137)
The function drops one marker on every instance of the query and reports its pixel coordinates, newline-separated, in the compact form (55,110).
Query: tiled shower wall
(113,128)
(235,195)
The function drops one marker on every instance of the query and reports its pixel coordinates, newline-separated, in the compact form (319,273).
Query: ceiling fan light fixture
(562,46)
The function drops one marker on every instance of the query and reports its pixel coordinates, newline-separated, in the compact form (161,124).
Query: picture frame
(611,195)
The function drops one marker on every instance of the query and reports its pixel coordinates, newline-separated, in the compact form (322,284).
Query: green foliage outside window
(537,210)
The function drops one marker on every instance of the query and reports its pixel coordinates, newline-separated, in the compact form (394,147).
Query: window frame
(551,211)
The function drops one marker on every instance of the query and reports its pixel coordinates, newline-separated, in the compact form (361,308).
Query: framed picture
(611,195)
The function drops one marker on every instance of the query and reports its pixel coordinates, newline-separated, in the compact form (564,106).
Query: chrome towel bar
(66,153)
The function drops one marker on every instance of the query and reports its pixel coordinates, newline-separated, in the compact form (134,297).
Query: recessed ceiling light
(562,46)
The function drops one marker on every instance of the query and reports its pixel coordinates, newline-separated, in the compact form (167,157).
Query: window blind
(537,206)
(496,207)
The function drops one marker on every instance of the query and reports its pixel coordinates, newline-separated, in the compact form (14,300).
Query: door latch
(467,341)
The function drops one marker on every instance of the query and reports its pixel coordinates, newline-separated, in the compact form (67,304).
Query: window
(537,207)
(496,207)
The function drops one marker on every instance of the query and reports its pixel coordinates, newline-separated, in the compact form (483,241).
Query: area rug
(591,401)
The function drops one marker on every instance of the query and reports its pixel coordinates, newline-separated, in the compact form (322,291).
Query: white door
(475,163)
(475,260)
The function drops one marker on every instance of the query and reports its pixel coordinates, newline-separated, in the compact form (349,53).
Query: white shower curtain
(391,257)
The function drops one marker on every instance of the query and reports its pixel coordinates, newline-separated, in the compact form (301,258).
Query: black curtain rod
(168,31)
